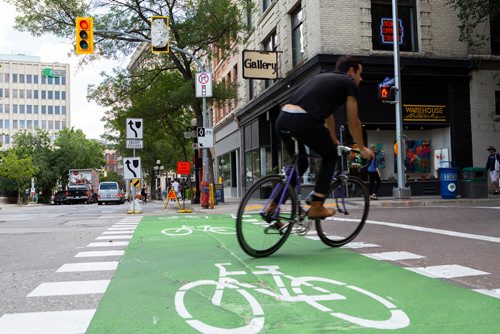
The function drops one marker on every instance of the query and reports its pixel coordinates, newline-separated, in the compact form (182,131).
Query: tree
(19,170)
(471,14)
(195,25)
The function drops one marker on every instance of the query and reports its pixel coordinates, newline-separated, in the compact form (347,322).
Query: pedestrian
(144,194)
(374,175)
(493,166)
(176,187)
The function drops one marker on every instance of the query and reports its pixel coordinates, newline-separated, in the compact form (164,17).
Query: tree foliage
(17,169)
(198,26)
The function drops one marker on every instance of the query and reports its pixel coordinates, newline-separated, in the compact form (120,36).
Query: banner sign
(260,64)
(424,113)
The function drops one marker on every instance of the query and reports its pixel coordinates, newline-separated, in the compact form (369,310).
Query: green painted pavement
(335,289)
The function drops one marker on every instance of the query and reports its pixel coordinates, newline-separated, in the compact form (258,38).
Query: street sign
(203,84)
(205,137)
(134,128)
(183,167)
(132,168)
(135,143)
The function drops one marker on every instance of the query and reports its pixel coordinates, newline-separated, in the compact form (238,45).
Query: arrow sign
(134,128)
(132,169)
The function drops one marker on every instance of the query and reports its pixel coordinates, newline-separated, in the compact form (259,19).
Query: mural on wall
(381,154)
(418,156)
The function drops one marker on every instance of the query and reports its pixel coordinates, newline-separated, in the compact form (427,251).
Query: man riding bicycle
(309,118)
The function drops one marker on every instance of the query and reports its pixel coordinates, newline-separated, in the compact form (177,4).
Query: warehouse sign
(51,73)
(424,113)
(260,64)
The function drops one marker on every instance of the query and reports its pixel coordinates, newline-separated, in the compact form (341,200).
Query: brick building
(450,89)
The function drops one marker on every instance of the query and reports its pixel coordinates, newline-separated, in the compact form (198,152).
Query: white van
(109,192)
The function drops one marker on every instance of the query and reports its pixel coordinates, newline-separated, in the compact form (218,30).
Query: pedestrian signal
(386,93)
(84,35)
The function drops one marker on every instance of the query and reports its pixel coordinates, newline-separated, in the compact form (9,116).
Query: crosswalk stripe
(393,256)
(88,266)
(447,271)
(55,322)
(100,253)
(69,288)
(108,244)
(114,237)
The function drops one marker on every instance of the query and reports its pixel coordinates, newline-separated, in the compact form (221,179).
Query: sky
(85,115)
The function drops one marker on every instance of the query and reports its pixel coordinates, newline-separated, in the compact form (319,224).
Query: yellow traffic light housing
(84,35)
(160,33)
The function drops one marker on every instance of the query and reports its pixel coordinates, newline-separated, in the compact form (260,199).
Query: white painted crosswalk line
(121,229)
(114,237)
(108,244)
(69,288)
(393,256)
(57,322)
(118,232)
(492,293)
(88,266)
(357,245)
(447,271)
(100,253)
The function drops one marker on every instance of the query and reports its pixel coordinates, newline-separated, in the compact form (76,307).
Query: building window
(35,78)
(35,124)
(14,124)
(57,95)
(495,28)
(21,78)
(249,6)
(497,103)
(29,94)
(63,95)
(14,108)
(51,95)
(51,110)
(297,36)
(21,108)
(35,109)
(6,124)
(382,25)
(44,94)
(58,110)
(29,124)
(269,44)
(14,78)
(63,80)
(63,110)
(14,93)
(21,93)
(28,78)
(44,110)
(7,92)
(266,4)
(29,109)
(44,79)
(44,124)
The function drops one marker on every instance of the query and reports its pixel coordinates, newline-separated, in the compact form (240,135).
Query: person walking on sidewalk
(493,166)
(374,175)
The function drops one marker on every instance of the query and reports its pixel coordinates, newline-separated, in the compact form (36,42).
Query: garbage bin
(448,180)
(474,182)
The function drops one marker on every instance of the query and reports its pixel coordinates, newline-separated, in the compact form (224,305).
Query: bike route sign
(187,274)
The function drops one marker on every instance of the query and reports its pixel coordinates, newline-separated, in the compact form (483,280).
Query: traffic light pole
(401,191)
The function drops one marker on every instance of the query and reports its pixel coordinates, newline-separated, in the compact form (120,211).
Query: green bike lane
(199,280)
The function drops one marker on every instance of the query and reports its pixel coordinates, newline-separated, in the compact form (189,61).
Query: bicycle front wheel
(350,198)
(262,230)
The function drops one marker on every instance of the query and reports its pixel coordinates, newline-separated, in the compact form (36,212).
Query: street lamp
(158,169)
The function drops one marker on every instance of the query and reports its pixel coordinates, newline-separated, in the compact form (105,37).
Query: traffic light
(384,92)
(84,35)
(387,90)
(160,34)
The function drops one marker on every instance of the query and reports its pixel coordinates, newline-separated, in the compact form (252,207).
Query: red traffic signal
(84,35)
(386,93)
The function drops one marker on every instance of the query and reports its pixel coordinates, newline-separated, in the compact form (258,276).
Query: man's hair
(345,62)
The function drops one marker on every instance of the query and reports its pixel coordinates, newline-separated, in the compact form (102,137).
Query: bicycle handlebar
(341,148)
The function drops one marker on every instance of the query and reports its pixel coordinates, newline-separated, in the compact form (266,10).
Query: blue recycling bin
(448,180)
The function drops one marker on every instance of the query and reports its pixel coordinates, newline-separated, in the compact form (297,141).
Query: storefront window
(252,163)
(382,25)
(297,36)
(224,168)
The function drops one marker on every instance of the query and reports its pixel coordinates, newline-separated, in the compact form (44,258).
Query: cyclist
(312,106)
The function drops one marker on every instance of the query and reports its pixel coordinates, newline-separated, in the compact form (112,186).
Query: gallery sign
(424,113)
(51,73)
(260,64)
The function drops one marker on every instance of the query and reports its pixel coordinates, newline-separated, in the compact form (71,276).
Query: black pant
(316,136)
(374,182)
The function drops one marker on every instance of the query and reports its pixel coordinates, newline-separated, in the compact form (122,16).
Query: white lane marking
(492,293)
(437,231)
(118,232)
(108,244)
(393,256)
(121,229)
(88,266)
(114,237)
(100,253)
(69,288)
(357,245)
(58,322)
(447,271)
(126,224)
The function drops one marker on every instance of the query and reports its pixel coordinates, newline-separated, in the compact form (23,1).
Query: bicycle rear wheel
(350,198)
(257,226)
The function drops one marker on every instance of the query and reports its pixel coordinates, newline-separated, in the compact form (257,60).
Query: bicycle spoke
(259,226)
(350,199)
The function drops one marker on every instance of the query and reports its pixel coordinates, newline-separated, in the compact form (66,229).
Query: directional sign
(132,168)
(203,84)
(134,128)
(205,137)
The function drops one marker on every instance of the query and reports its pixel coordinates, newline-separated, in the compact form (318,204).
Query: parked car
(59,197)
(110,192)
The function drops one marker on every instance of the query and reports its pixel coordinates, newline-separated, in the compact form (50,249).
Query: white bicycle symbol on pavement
(186,230)
(397,319)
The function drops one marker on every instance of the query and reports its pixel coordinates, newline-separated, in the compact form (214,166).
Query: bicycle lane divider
(168,283)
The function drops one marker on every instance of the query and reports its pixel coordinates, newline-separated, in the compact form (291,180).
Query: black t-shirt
(324,93)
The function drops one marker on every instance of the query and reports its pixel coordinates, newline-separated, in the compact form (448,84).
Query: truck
(82,186)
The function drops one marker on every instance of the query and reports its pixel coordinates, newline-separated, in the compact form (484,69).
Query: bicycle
(324,294)
(258,226)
